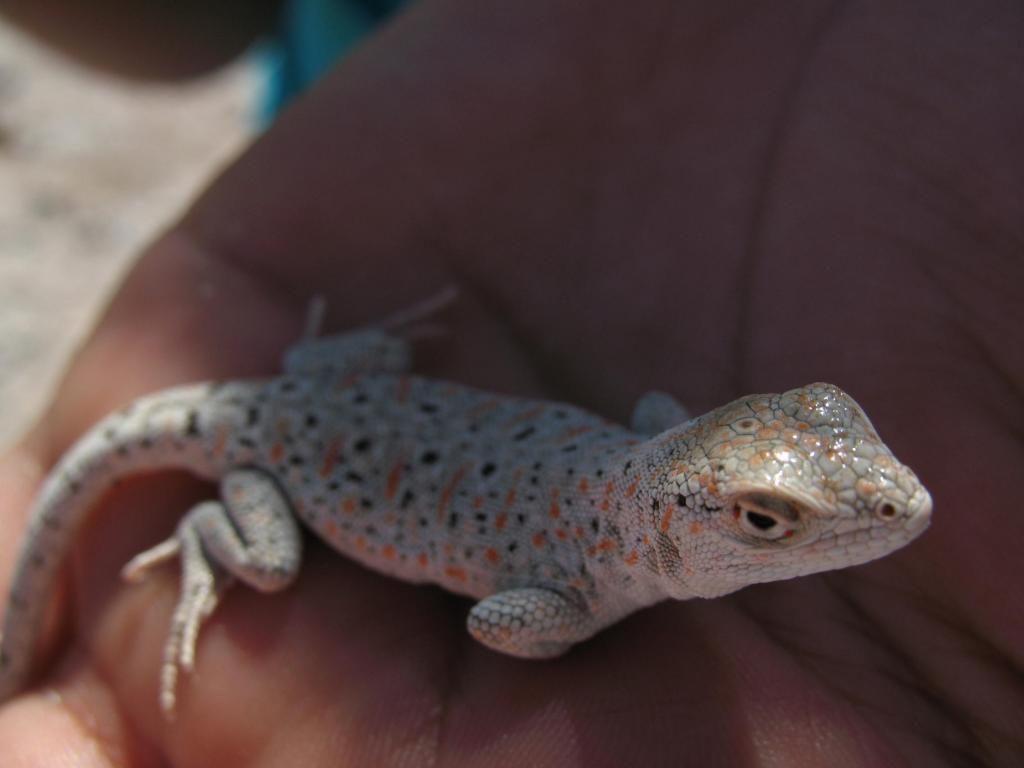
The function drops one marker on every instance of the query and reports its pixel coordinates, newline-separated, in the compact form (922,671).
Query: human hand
(708,199)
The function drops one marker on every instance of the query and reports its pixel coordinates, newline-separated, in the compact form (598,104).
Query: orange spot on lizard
(220,440)
(330,457)
(453,571)
(449,490)
(575,432)
(666,520)
(392,482)
(609,489)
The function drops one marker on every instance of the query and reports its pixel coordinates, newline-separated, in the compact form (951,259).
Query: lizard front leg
(657,411)
(530,622)
(250,534)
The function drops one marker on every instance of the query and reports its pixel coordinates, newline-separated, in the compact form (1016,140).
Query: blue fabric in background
(312,35)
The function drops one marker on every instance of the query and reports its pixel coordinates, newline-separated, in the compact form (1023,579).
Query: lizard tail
(157,432)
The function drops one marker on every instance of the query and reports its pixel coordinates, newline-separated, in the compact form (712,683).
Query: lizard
(556,521)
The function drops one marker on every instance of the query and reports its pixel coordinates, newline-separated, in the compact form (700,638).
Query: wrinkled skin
(708,198)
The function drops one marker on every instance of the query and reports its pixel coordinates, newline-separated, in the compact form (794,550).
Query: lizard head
(770,487)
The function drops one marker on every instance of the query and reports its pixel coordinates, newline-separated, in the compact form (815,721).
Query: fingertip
(37,728)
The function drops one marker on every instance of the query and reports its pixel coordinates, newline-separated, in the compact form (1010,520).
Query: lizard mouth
(853,545)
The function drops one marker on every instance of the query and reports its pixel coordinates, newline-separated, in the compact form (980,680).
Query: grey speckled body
(557,521)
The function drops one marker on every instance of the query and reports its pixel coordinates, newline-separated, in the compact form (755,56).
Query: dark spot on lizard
(487,469)
(362,445)
(429,457)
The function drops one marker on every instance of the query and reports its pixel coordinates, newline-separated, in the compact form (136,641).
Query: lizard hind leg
(530,622)
(380,348)
(250,535)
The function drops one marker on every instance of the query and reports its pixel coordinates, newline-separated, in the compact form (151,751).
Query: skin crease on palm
(707,198)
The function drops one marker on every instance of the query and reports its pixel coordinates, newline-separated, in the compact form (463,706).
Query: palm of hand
(730,204)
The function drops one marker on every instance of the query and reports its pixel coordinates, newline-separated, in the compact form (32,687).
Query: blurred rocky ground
(91,168)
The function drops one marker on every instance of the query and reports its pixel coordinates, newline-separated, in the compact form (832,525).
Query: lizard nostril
(886,511)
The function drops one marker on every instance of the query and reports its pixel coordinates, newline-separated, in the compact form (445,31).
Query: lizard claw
(139,567)
(202,583)
(410,318)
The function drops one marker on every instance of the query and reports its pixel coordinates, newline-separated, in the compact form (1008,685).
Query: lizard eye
(759,521)
(766,518)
